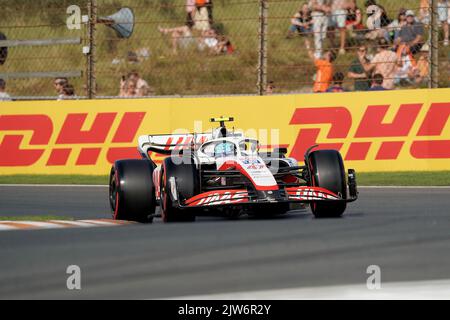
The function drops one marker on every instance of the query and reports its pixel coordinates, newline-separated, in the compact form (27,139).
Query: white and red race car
(223,173)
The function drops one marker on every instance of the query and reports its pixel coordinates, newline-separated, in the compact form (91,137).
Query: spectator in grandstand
(424,11)
(224,46)
(3,95)
(324,67)
(357,72)
(270,87)
(67,93)
(443,9)
(209,40)
(182,37)
(209,7)
(377,21)
(59,84)
(142,87)
(190,12)
(338,80)
(354,20)
(423,65)
(129,89)
(443,14)
(411,33)
(384,63)
(215,43)
(406,66)
(396,25)
(337,21)
(320,11)
(202,15)
(377,83)
(301,22)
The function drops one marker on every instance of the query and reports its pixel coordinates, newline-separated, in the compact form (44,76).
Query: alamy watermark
(374,280)
(74,280)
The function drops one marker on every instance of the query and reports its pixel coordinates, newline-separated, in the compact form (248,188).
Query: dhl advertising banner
(374,131)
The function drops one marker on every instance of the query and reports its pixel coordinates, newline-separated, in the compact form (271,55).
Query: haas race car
(222,173)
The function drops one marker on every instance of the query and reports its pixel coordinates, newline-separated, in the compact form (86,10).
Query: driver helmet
(224,149)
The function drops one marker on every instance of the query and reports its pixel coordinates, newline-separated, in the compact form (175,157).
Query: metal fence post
(434,45)
(91,77)
(262,57)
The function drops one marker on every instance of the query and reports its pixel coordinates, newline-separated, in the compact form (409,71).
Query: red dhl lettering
(427,142)
(70,134)
(371,126)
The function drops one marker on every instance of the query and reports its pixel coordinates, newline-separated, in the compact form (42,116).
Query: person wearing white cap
(411,34)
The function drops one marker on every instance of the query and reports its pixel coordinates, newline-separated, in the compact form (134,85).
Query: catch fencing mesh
(219,47)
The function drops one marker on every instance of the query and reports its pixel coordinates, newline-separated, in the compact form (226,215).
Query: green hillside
(189,72)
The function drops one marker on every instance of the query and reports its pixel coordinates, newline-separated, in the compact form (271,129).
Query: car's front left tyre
(131,190)
(187,182)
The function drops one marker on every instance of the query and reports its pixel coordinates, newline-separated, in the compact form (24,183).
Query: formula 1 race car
(223,173)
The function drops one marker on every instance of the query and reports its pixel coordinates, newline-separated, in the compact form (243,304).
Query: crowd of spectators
(394,49)
(373,43)
(199,30)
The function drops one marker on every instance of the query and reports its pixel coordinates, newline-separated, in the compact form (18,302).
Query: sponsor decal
(218,198)
(359,137)
(388,131)
(72,133)
(310,193)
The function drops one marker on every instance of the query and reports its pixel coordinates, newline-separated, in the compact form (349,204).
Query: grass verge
(407,178)
(54,179)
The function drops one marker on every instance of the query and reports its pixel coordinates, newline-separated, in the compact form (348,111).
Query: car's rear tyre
(131,190)
(187,180)
(327,171)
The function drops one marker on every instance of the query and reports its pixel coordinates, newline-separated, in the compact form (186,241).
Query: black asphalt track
(405,231)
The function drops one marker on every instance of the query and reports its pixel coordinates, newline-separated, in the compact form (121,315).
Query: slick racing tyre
(131,190)
(327,171)
(187,182)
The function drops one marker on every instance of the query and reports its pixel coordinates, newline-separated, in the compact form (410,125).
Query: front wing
(235,197)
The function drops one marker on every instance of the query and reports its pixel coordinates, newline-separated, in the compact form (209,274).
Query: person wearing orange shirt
(324,65)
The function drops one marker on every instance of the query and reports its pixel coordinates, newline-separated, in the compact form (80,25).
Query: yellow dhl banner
(374,131)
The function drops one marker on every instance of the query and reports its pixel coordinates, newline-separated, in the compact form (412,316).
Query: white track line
(414,290)
(6,228)
(59,224)
(101,222)
(75,223)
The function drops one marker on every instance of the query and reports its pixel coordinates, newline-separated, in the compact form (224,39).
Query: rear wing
(166,144)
